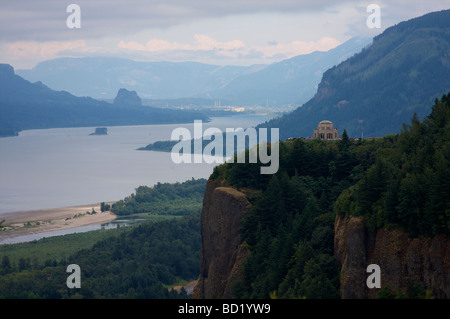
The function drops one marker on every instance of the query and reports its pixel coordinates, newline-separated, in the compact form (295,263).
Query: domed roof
(325,122)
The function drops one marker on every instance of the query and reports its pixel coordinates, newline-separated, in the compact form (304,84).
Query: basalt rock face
(403,261)
(223,251)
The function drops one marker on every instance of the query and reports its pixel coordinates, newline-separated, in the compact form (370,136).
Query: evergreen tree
(345,142)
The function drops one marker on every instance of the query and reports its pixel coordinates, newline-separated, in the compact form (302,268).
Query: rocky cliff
(403,261)
(223,251)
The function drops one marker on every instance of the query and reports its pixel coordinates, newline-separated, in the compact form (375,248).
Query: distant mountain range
(26,105)
(102,77)
(372,93)
(291,81)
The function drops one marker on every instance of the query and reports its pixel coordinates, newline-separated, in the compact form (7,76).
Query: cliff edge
(223,251)
(420,265)
(403,261)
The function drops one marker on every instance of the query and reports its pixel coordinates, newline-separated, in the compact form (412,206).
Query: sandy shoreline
(44,220)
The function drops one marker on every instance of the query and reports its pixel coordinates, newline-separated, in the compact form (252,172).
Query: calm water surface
(30,237)
(65,167)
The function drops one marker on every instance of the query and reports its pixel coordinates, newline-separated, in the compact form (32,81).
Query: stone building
(325,130)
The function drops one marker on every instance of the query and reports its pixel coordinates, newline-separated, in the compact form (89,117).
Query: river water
(51,168)
(31,237)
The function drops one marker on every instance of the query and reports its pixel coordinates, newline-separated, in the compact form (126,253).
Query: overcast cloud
(223,32)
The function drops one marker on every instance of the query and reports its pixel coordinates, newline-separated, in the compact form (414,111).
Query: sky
(221,32)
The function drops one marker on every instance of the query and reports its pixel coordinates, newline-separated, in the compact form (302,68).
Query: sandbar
(44,220)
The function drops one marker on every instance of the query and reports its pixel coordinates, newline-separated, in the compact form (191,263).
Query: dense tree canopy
(164,199)
(400,180)
(409,183)
(133,264)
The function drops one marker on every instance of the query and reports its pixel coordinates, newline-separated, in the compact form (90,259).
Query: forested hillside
(397,181)
(164,199)
(139,261)
(409,183)
(133,264)
(377,90)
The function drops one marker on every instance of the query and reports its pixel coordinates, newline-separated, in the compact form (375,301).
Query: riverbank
(45,220)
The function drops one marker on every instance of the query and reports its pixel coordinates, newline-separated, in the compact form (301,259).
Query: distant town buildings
(326,131)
